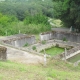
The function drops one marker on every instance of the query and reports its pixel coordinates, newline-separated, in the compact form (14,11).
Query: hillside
(30,17)
(53,71)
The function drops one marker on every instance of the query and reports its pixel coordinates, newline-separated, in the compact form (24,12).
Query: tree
(57,9)
(7,20)
(20,8)
(69,13)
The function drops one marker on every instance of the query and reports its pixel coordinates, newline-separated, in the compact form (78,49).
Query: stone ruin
(18,40)
(3,54)
(61,35)
(72,39)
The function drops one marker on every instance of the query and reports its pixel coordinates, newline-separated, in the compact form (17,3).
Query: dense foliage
(40,23)
(22,8)
(69,12)
(36,19)
(6,22)
(31,25)
(28,16)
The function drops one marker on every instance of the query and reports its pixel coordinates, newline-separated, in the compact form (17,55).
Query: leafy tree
(6,23)
(34,13)
(40,23)
(7,20)
(36,19)
(69,13)
(19,8)
(57,9)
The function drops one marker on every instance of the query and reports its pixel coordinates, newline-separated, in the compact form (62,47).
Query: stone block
(3,54)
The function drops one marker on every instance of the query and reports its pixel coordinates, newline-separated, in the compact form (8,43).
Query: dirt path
(22,56)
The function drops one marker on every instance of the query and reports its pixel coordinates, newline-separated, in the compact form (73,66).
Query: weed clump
(34,47)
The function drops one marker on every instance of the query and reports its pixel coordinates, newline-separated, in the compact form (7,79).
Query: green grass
(53,51)
(37,37)
(74,58)
(55,70)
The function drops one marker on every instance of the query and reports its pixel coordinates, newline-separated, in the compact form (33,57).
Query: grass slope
(74,58)
(55,70)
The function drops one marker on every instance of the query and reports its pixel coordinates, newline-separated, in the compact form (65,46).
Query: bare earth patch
(23,56)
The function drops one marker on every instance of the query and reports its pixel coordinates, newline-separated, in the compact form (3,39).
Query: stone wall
(3,54)
(19,40)
(73,37)
(51,43)
(46,36)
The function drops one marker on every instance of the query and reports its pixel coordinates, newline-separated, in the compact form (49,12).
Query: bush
(26,45)
(36,19)
(38,23)
(64,39)
(43,42)
(34,47)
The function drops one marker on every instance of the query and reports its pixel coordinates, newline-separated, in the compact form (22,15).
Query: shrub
(37,24)
(36,19)
(34,47)
(64,39)
(26,45)
(43,42)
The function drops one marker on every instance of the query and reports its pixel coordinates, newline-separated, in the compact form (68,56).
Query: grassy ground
(74,58)
(54,51)
(55,70)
